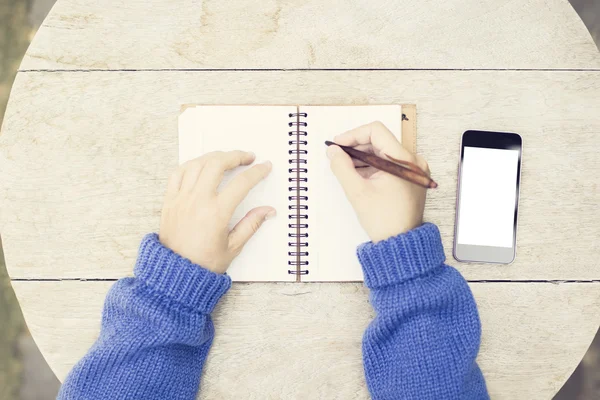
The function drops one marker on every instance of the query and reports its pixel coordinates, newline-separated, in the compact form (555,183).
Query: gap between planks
(308,69)
(554,282)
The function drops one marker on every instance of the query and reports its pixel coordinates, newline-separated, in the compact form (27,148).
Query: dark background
(24,374)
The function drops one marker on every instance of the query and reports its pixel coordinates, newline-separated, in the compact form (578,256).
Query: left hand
(195,217)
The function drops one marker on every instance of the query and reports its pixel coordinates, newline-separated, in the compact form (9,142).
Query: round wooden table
(90,137)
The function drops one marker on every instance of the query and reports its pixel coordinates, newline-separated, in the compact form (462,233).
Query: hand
(195,216)
(386,205)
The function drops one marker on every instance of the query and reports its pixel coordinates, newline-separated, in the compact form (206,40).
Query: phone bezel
(488,254)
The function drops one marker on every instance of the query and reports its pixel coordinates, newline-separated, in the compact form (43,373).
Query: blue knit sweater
(156,328)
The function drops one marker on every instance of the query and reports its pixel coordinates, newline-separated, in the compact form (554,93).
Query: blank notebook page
(263,130)
(334,230)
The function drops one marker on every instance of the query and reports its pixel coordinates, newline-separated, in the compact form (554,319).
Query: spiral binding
(298,217)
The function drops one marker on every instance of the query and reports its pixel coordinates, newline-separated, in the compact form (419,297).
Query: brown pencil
(402,169)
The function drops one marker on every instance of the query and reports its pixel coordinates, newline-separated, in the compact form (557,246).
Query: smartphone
(487,203)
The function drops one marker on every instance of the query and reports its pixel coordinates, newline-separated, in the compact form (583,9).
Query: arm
(425,337)
(156,328)
(155,334)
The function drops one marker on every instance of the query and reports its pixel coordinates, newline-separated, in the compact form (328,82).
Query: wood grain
(302,341)
(283,34)
(83,179)
(85,157)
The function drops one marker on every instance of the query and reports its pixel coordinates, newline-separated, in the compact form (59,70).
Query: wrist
(178,278)
(402,257)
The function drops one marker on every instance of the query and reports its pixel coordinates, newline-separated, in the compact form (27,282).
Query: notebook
(315,233)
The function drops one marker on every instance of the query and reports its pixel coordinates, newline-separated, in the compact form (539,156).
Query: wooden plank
(347,34)
(303,341)
(85,157)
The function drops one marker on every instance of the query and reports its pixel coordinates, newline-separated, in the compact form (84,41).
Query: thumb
(343,169)
(248,226)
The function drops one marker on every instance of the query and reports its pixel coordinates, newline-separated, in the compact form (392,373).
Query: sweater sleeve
(155,334)
(425,337)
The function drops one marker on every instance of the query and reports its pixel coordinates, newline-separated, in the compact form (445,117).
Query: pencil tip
(328,143)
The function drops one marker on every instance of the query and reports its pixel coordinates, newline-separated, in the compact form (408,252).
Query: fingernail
(271,214)
(269,164)
(251,155)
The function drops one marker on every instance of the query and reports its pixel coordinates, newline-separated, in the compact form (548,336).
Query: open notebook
(315,233)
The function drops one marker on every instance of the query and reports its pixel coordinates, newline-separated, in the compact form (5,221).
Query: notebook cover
(409,127)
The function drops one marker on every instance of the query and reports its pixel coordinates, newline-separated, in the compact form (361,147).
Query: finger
(219,162)
(174,183)
(343,168)
(190,173)
(358,163)
(376,134)
(367,148)
(242,184)
(366,172)
(421,163)
(248,226)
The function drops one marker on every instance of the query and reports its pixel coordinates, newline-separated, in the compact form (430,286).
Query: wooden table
(90,138)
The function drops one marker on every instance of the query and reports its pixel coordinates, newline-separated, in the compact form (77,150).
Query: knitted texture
(156,331)
(425,337)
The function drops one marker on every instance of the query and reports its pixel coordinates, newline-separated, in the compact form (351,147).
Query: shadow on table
(23,371)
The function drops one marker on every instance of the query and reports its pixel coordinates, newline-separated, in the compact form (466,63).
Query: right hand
(386,205)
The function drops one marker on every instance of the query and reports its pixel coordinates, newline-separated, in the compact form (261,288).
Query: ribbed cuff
(178,278)
(402,257)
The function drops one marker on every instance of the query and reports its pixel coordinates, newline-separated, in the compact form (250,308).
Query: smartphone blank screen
(488,197)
